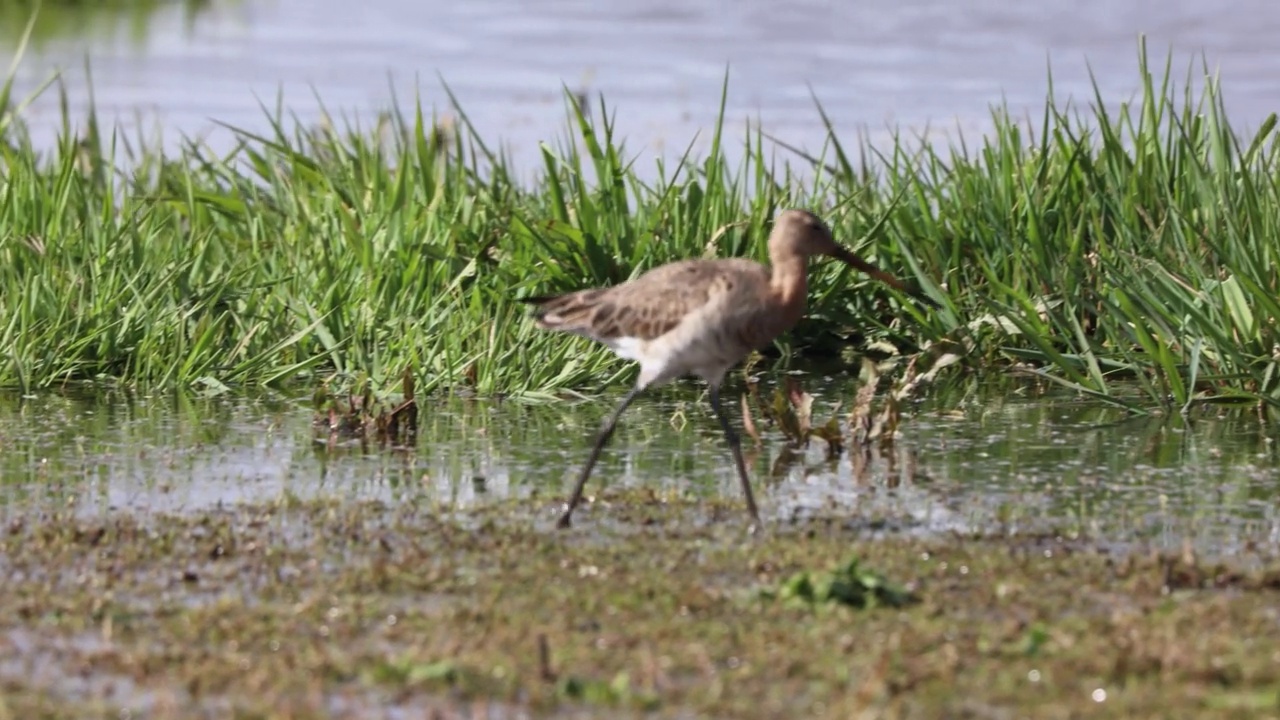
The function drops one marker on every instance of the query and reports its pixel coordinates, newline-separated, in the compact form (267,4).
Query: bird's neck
(789,280)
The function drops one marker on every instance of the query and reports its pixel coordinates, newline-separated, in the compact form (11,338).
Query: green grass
(1099,249)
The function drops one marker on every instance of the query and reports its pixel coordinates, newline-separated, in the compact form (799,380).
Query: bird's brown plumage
(652,304)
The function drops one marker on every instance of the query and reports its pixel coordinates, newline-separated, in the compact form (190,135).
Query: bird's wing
(652,304)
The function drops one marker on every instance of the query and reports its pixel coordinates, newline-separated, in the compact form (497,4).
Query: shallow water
(917,65)
(1000,462)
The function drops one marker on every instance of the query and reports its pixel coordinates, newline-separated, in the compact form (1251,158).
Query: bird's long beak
(848,256)
(851,258)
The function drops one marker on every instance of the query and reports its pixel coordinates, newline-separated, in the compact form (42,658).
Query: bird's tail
(570,312)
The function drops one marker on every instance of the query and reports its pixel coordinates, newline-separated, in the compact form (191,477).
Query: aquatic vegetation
(920,371)
(361,415)
(790,408)
(791,411)
(850,585)
(1106,247)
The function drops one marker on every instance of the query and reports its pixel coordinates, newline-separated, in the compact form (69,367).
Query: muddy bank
(307,609)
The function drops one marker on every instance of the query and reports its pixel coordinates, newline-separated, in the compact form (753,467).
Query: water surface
(1002,462)
(914,65)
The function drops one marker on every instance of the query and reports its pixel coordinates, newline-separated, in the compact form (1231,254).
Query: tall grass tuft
(1139,244)
(1101,249)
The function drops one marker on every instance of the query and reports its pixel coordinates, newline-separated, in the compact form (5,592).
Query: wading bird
(698,317)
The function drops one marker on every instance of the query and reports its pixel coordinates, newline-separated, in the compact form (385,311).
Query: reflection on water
(97,24)
(1001,462)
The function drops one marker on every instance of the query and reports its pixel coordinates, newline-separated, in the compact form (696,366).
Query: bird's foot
(564,522)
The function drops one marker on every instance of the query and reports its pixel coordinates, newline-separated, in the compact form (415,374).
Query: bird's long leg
(606,432)
(735,445)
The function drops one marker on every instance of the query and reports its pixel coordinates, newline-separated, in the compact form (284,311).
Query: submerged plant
(362,414)
(791,411)
(866,425)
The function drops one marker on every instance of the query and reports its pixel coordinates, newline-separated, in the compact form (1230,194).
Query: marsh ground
(336,609)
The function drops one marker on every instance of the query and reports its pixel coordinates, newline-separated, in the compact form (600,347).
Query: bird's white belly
(674,355)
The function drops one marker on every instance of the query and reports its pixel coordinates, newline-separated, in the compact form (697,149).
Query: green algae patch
(852,585)
(341,609)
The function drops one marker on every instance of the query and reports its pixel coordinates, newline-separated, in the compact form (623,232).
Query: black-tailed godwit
(699,317)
